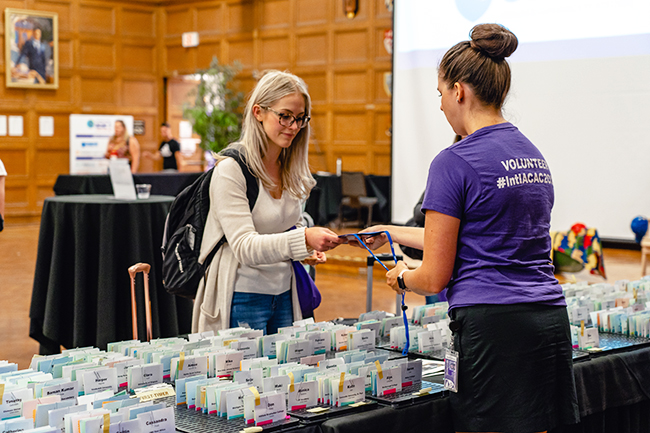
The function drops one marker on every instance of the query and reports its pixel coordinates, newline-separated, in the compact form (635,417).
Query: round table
(81,294)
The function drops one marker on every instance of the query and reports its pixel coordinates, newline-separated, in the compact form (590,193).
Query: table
(324,200)
(163,183)
(613,397)
(81,294)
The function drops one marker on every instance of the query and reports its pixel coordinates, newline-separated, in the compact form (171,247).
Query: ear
(459,91)
(257,112)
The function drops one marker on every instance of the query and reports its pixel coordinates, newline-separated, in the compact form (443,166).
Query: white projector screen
(580,92)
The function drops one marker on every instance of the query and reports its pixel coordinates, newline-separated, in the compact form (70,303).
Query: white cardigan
(230,215)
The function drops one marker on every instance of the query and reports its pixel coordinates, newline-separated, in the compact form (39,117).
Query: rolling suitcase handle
(133,270)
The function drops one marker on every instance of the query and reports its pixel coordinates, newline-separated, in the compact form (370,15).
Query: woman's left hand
(315,259)
(391,276)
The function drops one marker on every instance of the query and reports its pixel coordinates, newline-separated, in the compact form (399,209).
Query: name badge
(389,381)
(304,395)
(158,421)
(145,375)
(250,378)
(363,339)
(341,339)
(100,380)
(247,347)
(411,373)
(272,408)
(299,349)
(227,363)
(12,402)
(235,403)
(352,391)
(451,370)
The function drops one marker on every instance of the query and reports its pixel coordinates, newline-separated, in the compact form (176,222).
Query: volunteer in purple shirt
(486,239)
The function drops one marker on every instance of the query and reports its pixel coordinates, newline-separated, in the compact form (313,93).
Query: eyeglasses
(287,120)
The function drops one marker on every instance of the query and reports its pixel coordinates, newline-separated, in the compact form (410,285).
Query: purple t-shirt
(499,186)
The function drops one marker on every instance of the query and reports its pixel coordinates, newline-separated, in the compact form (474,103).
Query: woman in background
(486,239)
(250,280)
(122,145)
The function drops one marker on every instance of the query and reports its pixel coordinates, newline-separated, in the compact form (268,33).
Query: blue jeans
(265,312)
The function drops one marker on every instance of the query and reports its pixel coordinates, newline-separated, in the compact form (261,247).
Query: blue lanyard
(404,318)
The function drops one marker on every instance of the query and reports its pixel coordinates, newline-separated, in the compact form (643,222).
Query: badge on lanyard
(451,361)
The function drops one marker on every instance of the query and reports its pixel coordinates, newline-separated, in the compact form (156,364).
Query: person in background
(122,145)
(251,280)
(486,239)
(169,151)
(3,176)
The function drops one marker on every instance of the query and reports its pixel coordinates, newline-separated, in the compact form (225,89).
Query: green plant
(216,115)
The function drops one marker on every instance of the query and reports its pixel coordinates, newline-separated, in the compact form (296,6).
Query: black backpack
(181,270)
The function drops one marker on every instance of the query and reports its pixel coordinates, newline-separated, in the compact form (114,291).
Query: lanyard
(404,318)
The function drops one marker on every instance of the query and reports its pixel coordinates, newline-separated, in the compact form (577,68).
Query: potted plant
(216,115)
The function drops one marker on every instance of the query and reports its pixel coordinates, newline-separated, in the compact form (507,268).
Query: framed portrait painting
(31,49)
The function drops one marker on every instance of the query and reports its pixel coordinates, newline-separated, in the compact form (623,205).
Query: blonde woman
(122,145)
(250,280)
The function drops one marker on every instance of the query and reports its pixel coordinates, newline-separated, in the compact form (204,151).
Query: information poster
(89,135)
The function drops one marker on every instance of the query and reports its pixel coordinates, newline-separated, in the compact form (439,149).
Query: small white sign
(190,39)
(16,126)
(46,126)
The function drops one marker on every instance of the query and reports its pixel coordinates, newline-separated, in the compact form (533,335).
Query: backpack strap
(252,191)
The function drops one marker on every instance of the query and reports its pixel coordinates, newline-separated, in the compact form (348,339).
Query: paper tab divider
(181,361)
(380,373)
(291,387)
(256,394)
(107,423)
(341,381)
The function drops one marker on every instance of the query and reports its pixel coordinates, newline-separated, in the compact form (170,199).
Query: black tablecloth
(323,202)
(163,183)
(81,294)
(612,396)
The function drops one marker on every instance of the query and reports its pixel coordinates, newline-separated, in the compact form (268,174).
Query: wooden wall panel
(48,161)
(178,21)
(311,12)
(97,19)
(243,51)
(317,87)
(98,91)
(209,19)
(139,58)
(97,56)
(66,54)
(206,52)
(139,23)
(275,53)
(141,93)
(351,47)
(349,87)
(350,128)
(241,17)
(311,50)
(274,14)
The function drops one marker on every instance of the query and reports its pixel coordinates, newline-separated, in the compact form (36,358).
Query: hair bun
(493,40)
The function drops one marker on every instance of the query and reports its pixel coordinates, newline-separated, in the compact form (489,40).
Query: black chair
(354,195)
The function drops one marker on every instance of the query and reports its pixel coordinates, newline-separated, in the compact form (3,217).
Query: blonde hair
(126,133)
(294,162)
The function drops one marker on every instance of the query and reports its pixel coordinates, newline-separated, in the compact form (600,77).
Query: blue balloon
(639,227)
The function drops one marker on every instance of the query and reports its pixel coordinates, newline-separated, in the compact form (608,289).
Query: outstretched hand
(315,259)
(372,242)
(321,239)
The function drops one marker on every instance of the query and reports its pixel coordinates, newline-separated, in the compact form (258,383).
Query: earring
(458,100)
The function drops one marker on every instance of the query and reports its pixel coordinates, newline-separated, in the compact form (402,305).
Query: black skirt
(515,371)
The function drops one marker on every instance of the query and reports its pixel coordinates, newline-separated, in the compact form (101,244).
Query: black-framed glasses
(287,120)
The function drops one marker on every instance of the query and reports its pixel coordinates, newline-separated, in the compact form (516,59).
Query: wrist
(400,280)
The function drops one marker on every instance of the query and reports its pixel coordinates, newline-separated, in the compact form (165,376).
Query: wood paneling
(275,53)
(274,14)
(97,19)
(312,50)
(312,12)
(139,23)
(178,21)
(241,16)
(210,19)
(110,57)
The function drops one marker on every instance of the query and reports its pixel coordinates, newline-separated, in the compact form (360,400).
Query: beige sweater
(245,245)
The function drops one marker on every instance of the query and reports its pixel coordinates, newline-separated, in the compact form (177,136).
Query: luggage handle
(133,271)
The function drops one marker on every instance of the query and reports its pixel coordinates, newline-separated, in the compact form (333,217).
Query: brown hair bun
(493,40)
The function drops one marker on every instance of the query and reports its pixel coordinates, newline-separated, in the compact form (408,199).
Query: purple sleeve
(452,185)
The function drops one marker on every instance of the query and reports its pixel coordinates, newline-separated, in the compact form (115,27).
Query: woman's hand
(321,239)
(315,259)
(373,242)
(391,276)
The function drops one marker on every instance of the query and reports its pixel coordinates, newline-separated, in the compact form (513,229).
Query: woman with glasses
(486,239)
(250,281)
